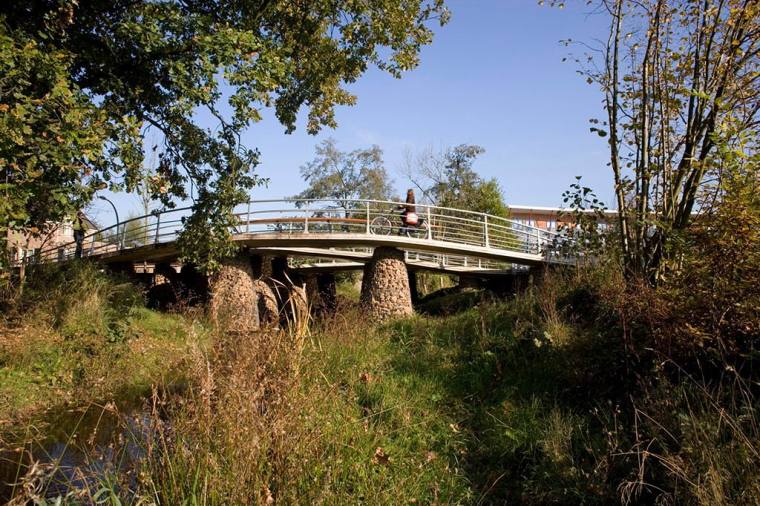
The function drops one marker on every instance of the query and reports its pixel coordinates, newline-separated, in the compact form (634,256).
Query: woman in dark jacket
(409,216)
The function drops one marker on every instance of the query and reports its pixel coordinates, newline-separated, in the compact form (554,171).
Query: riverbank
(545,398)
(78,335)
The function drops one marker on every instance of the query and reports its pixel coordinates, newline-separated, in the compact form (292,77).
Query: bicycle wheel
(418,232)
(381,226)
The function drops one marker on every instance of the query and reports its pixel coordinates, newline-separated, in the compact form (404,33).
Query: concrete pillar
(233,304)
(385,287)
(413,288)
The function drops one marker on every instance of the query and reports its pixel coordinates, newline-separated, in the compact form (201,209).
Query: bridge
(318,237)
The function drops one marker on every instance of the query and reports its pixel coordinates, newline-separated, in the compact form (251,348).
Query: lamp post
(117,218)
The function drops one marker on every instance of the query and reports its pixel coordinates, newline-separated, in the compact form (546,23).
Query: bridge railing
(291,216)
(384,217)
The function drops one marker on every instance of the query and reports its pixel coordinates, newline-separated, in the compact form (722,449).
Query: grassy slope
(80,336)
(508,402)
(465,409)
(458,410)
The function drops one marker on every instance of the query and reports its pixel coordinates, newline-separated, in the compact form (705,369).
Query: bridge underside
(323,246)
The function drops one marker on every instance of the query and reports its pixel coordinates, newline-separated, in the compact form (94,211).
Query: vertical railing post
(306,220)
(367,218)
(123,235)
(430,225)
(158,227)
(248,218)
(485,231)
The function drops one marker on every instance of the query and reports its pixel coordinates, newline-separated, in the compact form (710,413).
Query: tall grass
(276,418)
(78,334)
(557,396)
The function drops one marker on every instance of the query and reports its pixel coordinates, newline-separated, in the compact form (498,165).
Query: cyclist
(409,216)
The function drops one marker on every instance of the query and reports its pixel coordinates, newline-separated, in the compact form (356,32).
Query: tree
(345,176)
(446,178)
(721,259)
(678,78)
(50,137)
(82,82)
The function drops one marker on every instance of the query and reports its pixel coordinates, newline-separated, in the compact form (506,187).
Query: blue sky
(493,76)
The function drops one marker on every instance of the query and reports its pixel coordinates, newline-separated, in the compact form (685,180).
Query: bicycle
(382,225)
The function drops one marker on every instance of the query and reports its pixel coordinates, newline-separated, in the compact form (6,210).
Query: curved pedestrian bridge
(444,239)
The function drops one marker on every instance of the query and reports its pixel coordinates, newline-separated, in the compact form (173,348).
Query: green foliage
(343,176)
(447,179)
(79,335)
(580,232)
(678,80)
(51,136)
(82,82)
(720,265)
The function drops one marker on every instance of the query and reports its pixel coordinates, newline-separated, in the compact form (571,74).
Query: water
(76,448)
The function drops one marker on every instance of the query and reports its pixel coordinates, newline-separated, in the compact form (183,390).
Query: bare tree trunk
(613,105)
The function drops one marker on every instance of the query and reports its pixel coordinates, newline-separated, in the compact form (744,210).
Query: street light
(117,218)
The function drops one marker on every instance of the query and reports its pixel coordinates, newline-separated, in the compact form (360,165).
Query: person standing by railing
(78,226)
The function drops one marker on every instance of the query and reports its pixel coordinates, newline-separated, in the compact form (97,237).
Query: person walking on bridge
(78,226)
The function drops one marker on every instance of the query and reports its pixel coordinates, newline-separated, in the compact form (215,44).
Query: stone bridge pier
(385,288)
(233,303)
(250,292)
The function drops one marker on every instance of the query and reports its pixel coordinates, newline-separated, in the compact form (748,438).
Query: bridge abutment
(385,287)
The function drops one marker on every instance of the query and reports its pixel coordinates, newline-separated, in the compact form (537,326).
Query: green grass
(520,401)
(367,403)
(81,336)
(460,410)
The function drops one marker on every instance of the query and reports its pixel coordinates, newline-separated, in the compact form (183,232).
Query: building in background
(550,218)
(23,245)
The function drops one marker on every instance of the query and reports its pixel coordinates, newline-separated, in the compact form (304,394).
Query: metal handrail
(315,216)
